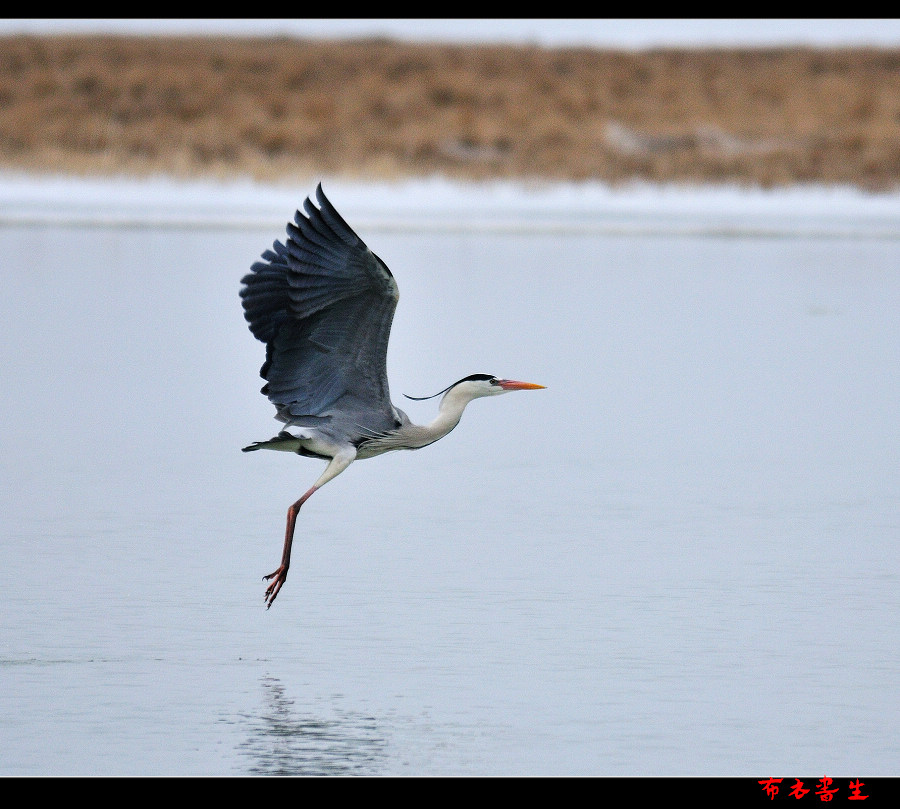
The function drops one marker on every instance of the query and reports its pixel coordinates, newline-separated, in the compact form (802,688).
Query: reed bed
(288,109)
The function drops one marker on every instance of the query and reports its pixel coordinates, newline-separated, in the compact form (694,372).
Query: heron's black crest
(470,378)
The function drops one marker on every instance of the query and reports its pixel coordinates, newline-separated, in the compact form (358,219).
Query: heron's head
(478,385)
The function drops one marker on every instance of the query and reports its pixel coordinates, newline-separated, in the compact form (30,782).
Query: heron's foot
(278,578)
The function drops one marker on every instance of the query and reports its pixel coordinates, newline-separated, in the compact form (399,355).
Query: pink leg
(280,575)
(339,462)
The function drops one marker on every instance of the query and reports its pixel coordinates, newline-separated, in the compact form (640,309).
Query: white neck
(449,414)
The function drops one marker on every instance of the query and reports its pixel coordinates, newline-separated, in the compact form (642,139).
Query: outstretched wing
(323,304)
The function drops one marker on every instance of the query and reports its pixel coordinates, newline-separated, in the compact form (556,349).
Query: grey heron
(323,304)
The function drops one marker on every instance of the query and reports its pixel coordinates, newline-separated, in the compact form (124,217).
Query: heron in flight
(323,305)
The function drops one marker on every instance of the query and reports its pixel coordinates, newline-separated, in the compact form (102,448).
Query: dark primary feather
(323,304)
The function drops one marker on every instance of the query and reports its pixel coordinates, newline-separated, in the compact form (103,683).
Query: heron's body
(323,305)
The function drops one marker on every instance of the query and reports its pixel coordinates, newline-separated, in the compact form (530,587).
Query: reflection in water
(282,742)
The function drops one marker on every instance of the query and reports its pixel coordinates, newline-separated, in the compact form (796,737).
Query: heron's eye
(495,381)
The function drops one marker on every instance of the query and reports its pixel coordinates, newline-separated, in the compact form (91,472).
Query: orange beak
(511,384)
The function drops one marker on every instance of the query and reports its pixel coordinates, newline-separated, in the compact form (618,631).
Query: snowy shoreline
(444,205)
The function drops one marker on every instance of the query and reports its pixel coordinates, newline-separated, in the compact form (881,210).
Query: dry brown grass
(289,109)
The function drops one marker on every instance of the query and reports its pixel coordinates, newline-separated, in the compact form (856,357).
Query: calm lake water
(681,558)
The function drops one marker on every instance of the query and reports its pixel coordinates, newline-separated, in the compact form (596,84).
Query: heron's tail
(284,441)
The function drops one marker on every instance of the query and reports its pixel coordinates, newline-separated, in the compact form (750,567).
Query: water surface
(679,559)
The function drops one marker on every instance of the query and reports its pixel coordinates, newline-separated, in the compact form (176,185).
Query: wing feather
(323,304)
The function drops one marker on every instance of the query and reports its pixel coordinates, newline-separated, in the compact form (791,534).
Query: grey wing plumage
(323,304)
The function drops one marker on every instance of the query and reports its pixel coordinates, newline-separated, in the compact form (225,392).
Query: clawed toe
(278,579)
